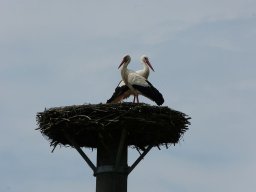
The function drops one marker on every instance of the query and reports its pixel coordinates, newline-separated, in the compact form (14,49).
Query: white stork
(122,91)
(138,84)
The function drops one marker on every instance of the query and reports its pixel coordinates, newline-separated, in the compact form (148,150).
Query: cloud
(39,20)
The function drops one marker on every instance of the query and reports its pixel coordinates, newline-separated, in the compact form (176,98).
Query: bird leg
(137,96)
(134,99)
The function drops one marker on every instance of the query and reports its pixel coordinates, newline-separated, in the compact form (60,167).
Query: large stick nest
(90,124)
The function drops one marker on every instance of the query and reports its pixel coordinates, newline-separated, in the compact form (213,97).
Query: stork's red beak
(149,64)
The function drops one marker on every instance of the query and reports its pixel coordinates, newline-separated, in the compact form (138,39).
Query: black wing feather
(119,92)
(150,92)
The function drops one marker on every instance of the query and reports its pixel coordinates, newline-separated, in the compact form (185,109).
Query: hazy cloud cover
(57,53)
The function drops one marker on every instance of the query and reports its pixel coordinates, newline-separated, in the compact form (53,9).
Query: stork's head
(144,59)
(126,60)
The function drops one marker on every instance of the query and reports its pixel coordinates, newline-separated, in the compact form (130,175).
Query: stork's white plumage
(122,91)
(138,84)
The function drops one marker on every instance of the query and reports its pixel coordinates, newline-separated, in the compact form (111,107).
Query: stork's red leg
(134,99)
(137,96)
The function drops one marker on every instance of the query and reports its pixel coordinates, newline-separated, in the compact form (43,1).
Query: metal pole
(110,178)
(120,148)
(81,152)
(140,158)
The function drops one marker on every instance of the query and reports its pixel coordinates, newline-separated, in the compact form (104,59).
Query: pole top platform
(88,124)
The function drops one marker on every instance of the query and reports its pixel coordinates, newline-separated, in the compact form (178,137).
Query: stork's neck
(145,70)
(124,73)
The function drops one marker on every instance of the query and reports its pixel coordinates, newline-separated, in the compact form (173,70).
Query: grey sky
(56,53)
